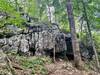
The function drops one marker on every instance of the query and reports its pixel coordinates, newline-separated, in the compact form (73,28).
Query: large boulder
(41,38)
(86,51)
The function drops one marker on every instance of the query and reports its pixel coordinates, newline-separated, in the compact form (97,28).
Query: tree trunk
(90,34)
(75,44)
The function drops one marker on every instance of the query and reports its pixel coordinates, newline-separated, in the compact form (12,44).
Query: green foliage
(96,37)
(32,8)
(89,65)
(12,16)
(5,6)
(37,8)
(36,64)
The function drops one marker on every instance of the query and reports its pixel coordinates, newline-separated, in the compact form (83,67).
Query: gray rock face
(39,38)
(23,44)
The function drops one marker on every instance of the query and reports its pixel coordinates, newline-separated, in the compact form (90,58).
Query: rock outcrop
(38,38)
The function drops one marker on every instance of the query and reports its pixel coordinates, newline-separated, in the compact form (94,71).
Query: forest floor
(21,65)
(60,67)
(66,68)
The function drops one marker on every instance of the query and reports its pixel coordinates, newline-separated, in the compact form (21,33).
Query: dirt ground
(63,68)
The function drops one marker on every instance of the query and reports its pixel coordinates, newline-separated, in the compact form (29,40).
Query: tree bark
(75,43)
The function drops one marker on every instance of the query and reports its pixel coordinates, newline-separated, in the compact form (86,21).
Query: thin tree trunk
(75,44)
(90,34)
(54,59)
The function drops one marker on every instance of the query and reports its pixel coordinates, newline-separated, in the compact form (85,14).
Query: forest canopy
(38,9)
